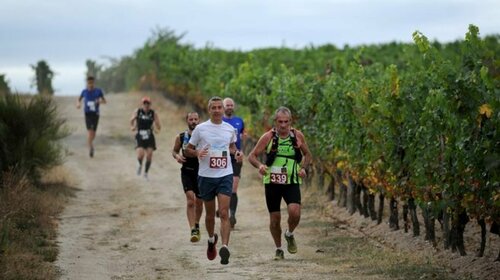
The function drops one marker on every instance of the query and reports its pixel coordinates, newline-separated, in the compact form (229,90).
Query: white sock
(211,239)
(288,233)
(279,248)
(224,245)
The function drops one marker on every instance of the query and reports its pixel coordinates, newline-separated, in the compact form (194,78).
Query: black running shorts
(145,143)
(91,121)
(274,193)
(236,166)
(189,179)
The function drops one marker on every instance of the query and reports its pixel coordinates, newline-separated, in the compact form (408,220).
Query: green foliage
(30,131)
(411,120)
(43,77)
(93,69)
(4,85)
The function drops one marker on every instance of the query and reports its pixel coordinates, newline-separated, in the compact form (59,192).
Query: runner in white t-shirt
(212,142)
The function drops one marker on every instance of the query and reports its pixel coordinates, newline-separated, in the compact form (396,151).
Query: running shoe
(139,167)
(212,250)
(224,255)
(232,221)
(91,152)
(195,235)
(292,245)
(198,233)
(146,176)
(279,255)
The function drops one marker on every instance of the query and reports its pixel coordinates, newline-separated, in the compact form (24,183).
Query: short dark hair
(214,98)
(90,78)
(190,113)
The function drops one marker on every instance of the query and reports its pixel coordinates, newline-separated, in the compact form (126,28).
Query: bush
(30,130)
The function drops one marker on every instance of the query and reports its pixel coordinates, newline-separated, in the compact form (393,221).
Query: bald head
(229,105)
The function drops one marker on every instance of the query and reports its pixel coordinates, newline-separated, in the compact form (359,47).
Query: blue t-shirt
(238,125)
(90,98)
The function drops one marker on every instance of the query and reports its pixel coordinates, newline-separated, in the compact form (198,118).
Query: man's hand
(180,159)
(262,169)
(203,152)
(78,105)
(238,156)
(302,172)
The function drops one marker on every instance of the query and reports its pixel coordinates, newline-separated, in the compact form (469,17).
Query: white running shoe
(146,176)
(139,168)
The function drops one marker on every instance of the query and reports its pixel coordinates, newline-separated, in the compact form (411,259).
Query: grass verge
(353,253)
(28,224)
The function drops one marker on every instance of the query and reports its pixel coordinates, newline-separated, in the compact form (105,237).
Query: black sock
(233,204)
(148,164)
(197,226)
(140,161)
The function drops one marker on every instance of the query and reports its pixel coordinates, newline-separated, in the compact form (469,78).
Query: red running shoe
(211,250)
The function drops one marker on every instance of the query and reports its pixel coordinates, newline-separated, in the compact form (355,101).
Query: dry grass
(352,252)
(412,249)
(28,226)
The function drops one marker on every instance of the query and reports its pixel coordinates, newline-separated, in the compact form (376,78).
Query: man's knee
(223,213)
(275,220)
(294,210)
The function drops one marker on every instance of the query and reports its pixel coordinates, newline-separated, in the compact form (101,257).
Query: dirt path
(120,226)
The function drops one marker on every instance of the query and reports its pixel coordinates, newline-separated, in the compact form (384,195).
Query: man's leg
(140,158)
(199,209)
(275,227)
(191,212)
(149,159)
(90,141)
(292,198)
(90,138)
(293,216)
(210,217)
(205,186)
(225,227)
(234,201)
(191,208)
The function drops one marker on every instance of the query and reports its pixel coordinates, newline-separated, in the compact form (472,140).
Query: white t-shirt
(217,137)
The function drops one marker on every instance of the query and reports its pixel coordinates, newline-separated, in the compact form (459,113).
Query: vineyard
(415,124)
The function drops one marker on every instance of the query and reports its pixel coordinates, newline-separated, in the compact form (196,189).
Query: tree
(4,85)
(43,77)
(93,68)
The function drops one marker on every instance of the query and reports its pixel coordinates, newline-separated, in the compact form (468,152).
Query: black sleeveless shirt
(191,162)
(145,119)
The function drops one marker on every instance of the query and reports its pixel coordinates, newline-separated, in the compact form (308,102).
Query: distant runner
(142,121)
(189,176)
(212,142)
(287,160)
(239,129)
(92,98)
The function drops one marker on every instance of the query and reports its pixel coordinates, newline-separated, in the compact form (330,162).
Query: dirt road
(120,226)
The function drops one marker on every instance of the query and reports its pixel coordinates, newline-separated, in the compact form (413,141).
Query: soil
(121,226)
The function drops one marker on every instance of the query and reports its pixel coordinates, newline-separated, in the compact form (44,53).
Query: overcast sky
(66,32)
